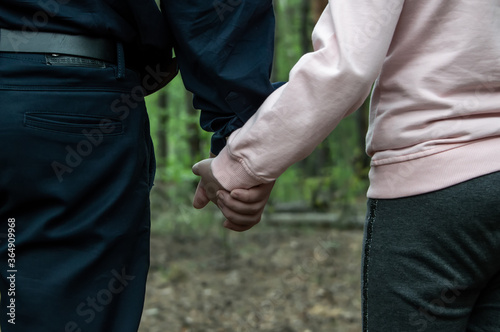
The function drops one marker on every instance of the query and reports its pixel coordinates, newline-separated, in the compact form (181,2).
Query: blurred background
(298,270)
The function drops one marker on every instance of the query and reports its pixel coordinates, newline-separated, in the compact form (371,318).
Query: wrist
(232,172)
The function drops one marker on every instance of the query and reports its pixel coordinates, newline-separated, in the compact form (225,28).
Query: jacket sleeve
(350,43)
(224,49)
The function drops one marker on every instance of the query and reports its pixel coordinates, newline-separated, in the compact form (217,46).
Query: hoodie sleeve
(351,41)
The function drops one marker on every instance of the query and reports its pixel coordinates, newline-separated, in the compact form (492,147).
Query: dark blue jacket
(225,53)
(224,47)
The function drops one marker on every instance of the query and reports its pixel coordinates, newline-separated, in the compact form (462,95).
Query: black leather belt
(58,43)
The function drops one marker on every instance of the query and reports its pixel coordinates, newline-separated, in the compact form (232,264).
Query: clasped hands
(242,208)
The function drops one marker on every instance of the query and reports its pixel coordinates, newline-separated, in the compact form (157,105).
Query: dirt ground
(278,279)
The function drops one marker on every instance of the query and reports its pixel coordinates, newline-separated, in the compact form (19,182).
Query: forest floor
(279,279)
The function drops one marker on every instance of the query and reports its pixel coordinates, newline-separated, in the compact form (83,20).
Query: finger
(239,219)
(236,228)
(200,199)
(253,195)
(240,207)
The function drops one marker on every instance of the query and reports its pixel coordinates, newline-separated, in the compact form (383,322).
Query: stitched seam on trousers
(368,243)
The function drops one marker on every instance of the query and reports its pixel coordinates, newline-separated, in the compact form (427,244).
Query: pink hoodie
(435,108)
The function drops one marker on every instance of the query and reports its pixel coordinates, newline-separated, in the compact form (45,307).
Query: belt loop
(120,61)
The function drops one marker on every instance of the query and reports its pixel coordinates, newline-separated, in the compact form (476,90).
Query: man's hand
(208,186)
(242,207)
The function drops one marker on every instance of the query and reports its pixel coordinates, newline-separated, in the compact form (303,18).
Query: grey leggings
(432,262)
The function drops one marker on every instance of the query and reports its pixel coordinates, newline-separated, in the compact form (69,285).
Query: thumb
(201,167)
(200,199)
(196,168)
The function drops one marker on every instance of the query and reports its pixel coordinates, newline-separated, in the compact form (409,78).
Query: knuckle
(229,216)
(245,197)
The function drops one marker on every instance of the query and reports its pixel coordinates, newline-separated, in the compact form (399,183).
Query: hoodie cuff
(232,172)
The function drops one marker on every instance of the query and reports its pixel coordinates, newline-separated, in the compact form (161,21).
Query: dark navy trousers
(76,169)
(432,262)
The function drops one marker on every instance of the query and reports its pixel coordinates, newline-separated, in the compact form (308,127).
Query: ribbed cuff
(232,173)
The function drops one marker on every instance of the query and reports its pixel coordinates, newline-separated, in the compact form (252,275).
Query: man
(77,163)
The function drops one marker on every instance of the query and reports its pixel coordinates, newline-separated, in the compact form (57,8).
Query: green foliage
(177,165)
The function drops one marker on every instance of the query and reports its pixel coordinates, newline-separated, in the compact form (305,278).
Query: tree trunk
(194,140)
(277,41)
(362,117)
(317,7)
(161,133)
(305,27)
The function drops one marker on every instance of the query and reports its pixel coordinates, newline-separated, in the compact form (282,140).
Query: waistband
(152,77)
(435,172)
